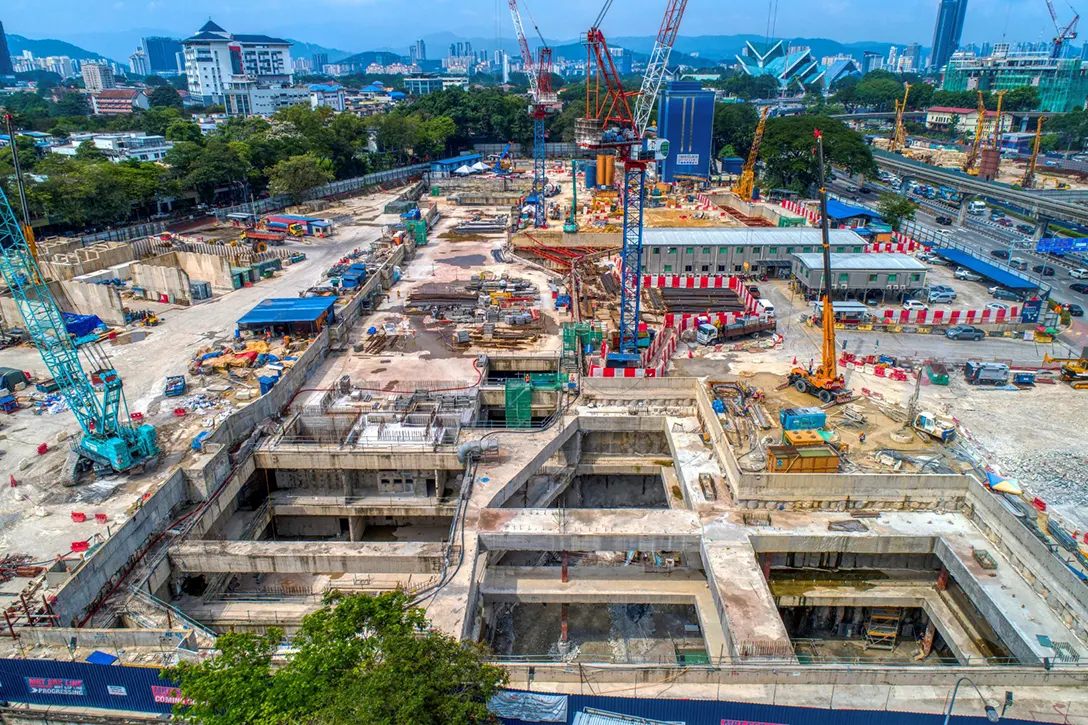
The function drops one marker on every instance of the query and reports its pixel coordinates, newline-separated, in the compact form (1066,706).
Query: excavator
(1074,370)
(825,382)
(746,185)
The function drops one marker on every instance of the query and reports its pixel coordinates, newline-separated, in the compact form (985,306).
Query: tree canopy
(735,127)
(360,659)
(789,144)
(297,175)
(896,209)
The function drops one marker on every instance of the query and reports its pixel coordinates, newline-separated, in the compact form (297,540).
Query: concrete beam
(316,456)
(307,557)
(589,530)
(285,504)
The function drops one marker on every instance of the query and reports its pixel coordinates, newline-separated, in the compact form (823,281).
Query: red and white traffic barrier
(949,317)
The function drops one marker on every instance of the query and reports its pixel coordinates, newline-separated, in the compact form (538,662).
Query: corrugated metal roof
(589,716)
(748,236)
(987,270)
(278,311)
(846,262)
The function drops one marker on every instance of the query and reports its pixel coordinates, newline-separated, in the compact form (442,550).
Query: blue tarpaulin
(99,657)
(838,211)
(1006,279)
(312,311)
(80,325)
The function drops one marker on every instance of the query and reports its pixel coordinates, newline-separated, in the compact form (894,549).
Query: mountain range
(689,50)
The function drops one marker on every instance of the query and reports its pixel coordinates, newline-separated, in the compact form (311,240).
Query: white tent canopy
(463,170)
(480,166)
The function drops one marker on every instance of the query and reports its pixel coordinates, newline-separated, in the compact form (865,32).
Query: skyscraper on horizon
(161,54)
(947,31)
(5,56)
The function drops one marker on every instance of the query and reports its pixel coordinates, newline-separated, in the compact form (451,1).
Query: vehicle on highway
(996,214)
(1078,273)
(1004,294)
(967,275)
(1025,228)
(1000,253)
(976,207)
(941,298)
(1043,270)
(965,332)
(914,305)
(1075,310)
(945,221)
(997,307)
(1018,263)
(1079,288)
(1005,222)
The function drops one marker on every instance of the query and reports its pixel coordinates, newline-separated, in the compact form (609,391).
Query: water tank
(591,174)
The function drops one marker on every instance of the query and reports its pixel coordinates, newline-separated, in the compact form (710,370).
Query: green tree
(154,81)
(896,209)
(72,104)
(1072,129)
(735,126)
(789,144)
(1022,98)
(298,174)
(880,93)
(184,131)
(166,97)
(361,659)
(87,151)
(206,169)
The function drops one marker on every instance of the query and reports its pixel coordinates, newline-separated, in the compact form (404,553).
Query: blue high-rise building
(162,54)
(5,57)
(947,32)
(685,116)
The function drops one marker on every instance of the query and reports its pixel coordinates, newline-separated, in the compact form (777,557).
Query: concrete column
(565,577)
(765,564)
(1041,229)
(927,643)
(345,484)
(942,579)
(961,218)
(419,485)
(356,528)
(439,483)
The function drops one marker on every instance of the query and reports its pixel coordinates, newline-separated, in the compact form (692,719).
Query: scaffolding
(882,631)
(576,336)
(519,403)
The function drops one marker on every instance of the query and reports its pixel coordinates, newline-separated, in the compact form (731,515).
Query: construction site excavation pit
(617,632)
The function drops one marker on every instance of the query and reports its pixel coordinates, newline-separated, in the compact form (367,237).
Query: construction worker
(861,437)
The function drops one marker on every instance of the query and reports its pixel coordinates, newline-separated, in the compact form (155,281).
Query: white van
(1018,263)
(764,307)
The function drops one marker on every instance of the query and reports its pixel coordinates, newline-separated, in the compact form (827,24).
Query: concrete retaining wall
(95,299)
(1049,577)
(103,638)
(842,491)
(207,268)
(106,564)
(160,276)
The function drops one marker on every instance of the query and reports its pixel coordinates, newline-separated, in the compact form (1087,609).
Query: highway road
(979,235)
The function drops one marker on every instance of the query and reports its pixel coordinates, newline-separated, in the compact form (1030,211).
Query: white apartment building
(263,101)
(97,77)
(118,147)
(217,62)
(327,95)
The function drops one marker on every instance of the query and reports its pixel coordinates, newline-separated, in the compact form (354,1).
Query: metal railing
(124,234)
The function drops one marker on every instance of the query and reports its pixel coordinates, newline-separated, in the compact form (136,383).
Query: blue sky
(360,24)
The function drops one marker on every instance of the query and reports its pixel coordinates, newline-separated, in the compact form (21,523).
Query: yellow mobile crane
(824,382)
(899,140)
(1029,175)
(746,185)
(976,145)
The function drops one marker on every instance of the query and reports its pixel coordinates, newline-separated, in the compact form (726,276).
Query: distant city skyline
(375,24)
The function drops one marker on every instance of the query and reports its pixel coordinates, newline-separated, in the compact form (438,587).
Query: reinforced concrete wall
(207,268)
(65,259)
(1048,576)
(95,299)
(109,562)
(161,276)
(13,318)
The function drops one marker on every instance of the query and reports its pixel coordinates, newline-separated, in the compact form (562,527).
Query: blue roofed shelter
(306,315)
(1003,277)
(845,215)
(445,167)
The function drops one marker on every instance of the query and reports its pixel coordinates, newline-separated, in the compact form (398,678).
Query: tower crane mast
(544,102)
(611,125)
(1069,32)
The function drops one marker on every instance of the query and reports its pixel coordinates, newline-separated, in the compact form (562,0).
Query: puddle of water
(464,260)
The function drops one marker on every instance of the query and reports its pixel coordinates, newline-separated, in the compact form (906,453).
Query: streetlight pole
(991,713)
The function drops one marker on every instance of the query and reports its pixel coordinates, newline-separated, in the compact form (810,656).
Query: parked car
(941,298)
(946,221)
(874,298)
(1000,253)
(1025,228)
(1043,270)
(967,275)
(1075,310)
(1005,222)
(1004,294)
(965,332)
(943,288)
(1079,288)
(1078,273)
(914,305)
(998,307)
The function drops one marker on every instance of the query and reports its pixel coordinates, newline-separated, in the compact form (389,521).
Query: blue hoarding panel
(685,116)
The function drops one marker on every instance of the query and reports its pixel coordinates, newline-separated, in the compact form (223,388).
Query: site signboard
(1061,245)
